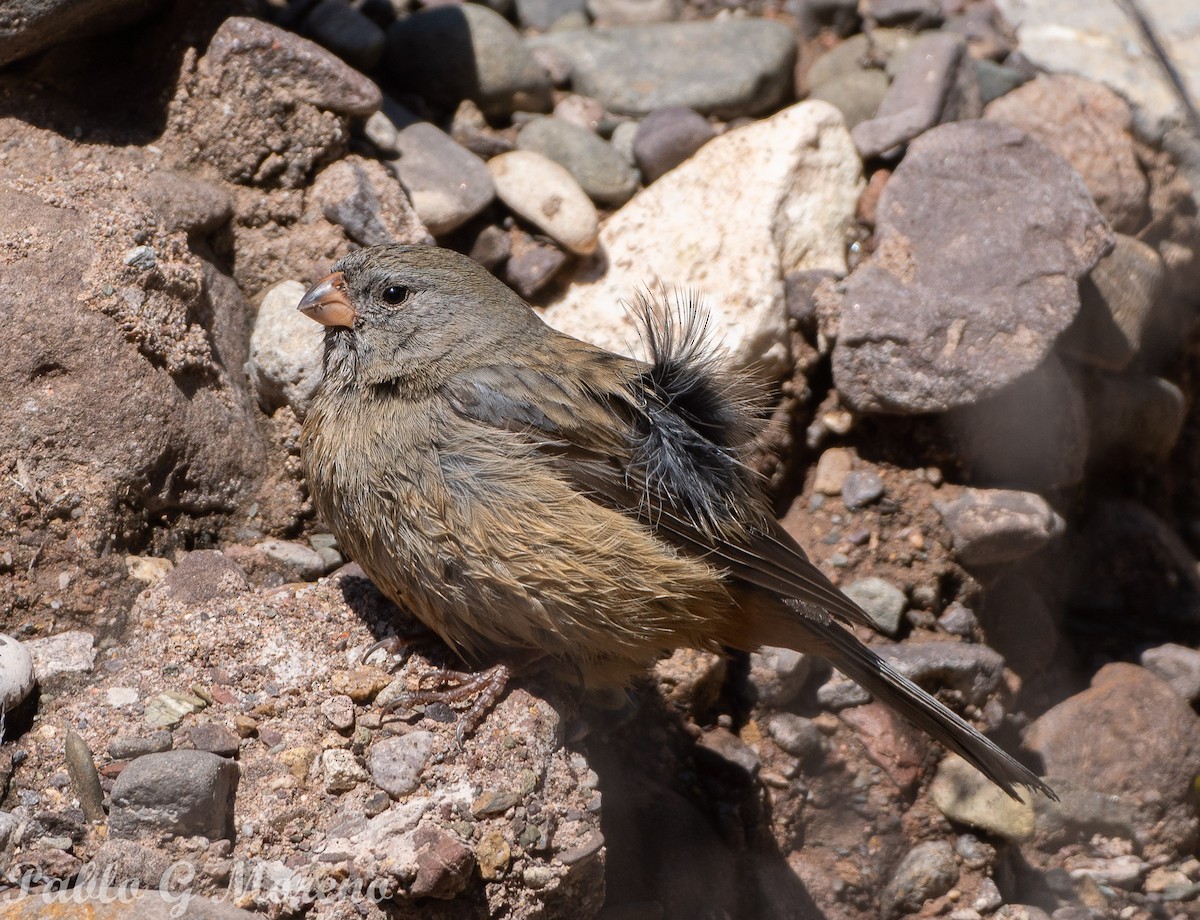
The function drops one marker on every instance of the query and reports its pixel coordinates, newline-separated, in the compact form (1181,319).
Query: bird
(527,495)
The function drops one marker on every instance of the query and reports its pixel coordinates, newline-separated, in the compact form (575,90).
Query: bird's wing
(659,452)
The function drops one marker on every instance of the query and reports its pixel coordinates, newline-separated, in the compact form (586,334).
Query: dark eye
(395,294)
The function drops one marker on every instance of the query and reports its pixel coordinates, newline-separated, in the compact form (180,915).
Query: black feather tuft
(696,419)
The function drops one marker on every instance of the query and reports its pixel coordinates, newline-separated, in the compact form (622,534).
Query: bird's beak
(328,303)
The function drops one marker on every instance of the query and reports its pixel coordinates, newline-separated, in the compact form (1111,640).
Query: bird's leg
(455,686)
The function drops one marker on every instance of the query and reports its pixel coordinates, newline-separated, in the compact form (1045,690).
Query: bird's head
(412,316)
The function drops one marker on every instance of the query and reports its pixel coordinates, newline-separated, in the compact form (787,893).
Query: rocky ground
(955,241)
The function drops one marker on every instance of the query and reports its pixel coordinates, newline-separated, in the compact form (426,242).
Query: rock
(857,95)
(16,673)
(396,763)
(860,488)
(203,575)
(959,620)
(1090,127)
(149,570)
(833,466)
(127,747)
(996,79)
(596,166)
(85,781)
(72,652)
(447,184)
(531,264)
(345,31)
(214,738)
(840,692)
(798,162)
(443,864)
(1021,626)
(935,83)
(728,68)
(633,12)
(363,198)
(180,793)
(1143,748)
(691,679)
(137,903)
(1136,415)
(883,601)
(932,321)
(1178,665)
(974,671)
(1120,300)
(1001,442)
(583,112)
(965,795)
(799,736)
(285,351)
(449,53)
(184,202)
(927,871)
(545,194)
(341,770)
(1021,912)
(920,14)
(995,526)
(300,562)
(542,14)
(720,750)
(9,826)
(1079,815)
(778,675)
(668,136)
(169,709)
(30,26)
(1099,42)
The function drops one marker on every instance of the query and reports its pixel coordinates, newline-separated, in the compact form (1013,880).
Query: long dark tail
(806,633)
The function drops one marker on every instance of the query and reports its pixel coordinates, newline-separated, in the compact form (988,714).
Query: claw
(486,686)
(390,644)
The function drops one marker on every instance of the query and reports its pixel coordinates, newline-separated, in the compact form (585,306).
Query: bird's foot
(391,645)
(455,686)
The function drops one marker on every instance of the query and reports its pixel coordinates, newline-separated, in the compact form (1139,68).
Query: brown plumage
(522,492)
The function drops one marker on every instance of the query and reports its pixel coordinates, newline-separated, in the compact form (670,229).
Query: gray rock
(996,79)
(934,84)
(994,526)
(85,780)
(542,14)
(127,747)
(959,620)
(840,692)
(449,53)
(857,95)
(72,652)
(797,735)
(338,711)
(927,871)
(778,674)
(180,793)
(921,14)
(727,68)
(1136,415)
(532,264)
(633,12)
(1079,814)
(366,200)
(345,31)
(214,738)
(30,26)
(1120,300)
(668,136)
(597,167)
(1178,665)
(184,202)
(860,488)
(285,351)
(304,561)
(734,754)
(396,763)
(1090,126)
(8,828)
(882,600)
(1021,912)
(965,795)
(16,673)
(974,671)
(447,184)
(933,320)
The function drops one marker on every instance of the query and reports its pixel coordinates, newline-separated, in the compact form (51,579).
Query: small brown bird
(525,493)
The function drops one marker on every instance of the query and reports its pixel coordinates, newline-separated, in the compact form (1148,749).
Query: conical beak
(328,303)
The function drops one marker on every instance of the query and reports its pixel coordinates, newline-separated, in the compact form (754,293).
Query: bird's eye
(395,294)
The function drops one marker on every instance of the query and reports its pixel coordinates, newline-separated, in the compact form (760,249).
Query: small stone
(285,351)
(341,770)
(367,201)
(493,855)
(544,193)
(883,602)
(338,711)
(9,826)
(81,767)
(633,12)
(927,871)
(1134,415)
(542,14)
(360,684)
(857,95)
(975,671)
(382,132)
(204,575)
(168,709)
(16,673)
(180,793)
(448,184)
(531,264)
(494,802)
(121,696)
(995,526)
(727,753)
(996,80)
(149,570)
(396,763)
(214,738)
(245,726)
(1178,665)
(778,674)
(588,847)
(444,864)
(668,136)
(861,487)
(965,795)
(143,258)
(799,736)
(840,692)
(128,747)
(537,877)
(303,562)
(596,166)
(581,111)
(920,14)
(833,467)
(71,652)
(346,32)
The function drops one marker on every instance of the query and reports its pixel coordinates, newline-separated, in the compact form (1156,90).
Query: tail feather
(856,661)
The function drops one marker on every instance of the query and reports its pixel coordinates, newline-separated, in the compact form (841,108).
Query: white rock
(545,194)
(16,672)
(121,696)
(148,569)
(67,653)
(341,770)
(749,207)
(285,351)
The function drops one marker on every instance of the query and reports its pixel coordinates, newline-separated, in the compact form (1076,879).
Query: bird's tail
(786,627)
